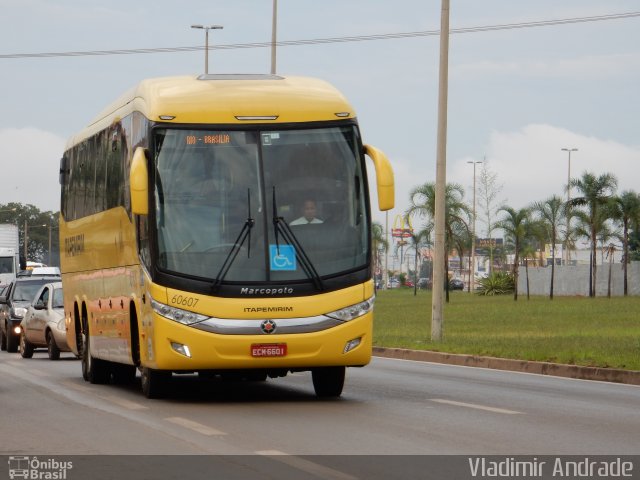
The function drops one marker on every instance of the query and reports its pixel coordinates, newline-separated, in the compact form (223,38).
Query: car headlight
(353,311)
(177,314)
(18,312)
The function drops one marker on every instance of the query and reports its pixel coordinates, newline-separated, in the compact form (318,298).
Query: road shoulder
(631,377)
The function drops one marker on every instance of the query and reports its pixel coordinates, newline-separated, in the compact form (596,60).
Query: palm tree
(551,213)
(423,204)
(379,244)
(626,209)
(419,239)
(596,192)
(515,226)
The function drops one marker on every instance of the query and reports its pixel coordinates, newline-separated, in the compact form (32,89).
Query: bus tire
(154,382)
(94,370)
(328,381)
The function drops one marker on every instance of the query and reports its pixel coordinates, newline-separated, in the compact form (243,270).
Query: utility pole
(441,180)
(274,27)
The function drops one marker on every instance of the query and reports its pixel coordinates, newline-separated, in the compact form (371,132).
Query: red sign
(269,350)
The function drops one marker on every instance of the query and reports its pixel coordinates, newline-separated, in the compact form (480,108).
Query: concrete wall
(574,280)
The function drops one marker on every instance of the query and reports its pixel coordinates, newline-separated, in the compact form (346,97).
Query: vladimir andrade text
(551,467)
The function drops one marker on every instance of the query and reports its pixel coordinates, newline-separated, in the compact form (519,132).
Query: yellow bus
(220,225)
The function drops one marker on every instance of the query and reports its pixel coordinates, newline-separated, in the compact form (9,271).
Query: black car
(456,284)
(13,305)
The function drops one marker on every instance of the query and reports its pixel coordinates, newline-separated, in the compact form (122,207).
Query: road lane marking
(124,403)
(477,407)
(195,426)
(306,465)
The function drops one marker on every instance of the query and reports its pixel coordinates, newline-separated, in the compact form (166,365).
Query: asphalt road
(389,407)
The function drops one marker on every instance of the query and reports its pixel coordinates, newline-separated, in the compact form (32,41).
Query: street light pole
(206,29)
(472,273)
(566,246)
(274,26)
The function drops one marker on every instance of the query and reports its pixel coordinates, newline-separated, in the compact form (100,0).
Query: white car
(43,324)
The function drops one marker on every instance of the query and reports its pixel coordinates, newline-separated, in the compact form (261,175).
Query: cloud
(30,166)
(531,165)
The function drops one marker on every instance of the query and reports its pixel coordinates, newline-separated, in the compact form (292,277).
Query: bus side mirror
(139,183)
(384,177)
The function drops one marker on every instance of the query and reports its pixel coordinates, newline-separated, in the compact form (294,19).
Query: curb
(631,377)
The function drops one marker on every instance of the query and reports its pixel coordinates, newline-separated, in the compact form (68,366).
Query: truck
(9,253)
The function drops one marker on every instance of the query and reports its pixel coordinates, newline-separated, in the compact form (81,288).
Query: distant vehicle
(9,253)
(424,283)
(408,283)
(43,324)
(456,284)
(13,307)
(393,283)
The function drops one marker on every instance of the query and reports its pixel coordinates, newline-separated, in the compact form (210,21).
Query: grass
(600,332)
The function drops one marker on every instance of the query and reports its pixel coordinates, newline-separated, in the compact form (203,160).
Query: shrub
(497,283)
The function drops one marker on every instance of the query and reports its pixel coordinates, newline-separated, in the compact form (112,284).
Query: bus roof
(226,99)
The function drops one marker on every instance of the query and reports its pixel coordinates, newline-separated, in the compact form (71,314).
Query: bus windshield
(217,189)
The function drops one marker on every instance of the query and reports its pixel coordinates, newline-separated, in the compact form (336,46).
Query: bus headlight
(177,314)
(353,311)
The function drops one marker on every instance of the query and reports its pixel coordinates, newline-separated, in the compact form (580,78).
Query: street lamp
(472,276)
(566,246)
(206,29)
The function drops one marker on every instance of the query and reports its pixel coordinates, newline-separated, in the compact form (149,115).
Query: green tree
(515,224)
(595,193)
(551,213)
(423,204)
(625,209)
(42,231)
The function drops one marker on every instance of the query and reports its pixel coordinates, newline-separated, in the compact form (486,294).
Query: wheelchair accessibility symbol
(283,257)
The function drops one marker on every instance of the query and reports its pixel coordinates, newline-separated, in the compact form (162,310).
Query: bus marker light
(351,344)
(181,349)
(269,350)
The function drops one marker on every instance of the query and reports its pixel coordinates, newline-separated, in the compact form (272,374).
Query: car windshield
(292,201)
(26,291)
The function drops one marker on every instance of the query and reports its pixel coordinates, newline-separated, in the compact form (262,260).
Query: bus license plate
(269,350)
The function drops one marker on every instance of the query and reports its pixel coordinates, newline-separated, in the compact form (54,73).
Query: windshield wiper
(281,226)
(245,233)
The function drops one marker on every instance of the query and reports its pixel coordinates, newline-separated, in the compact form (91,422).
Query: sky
(517,96)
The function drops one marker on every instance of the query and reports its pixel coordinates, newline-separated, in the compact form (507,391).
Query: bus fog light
(181,349)
(16,330)
(351,344)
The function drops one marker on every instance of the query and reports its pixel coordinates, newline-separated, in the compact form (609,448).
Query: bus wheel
(93,370)
(154,382)
(328,381)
